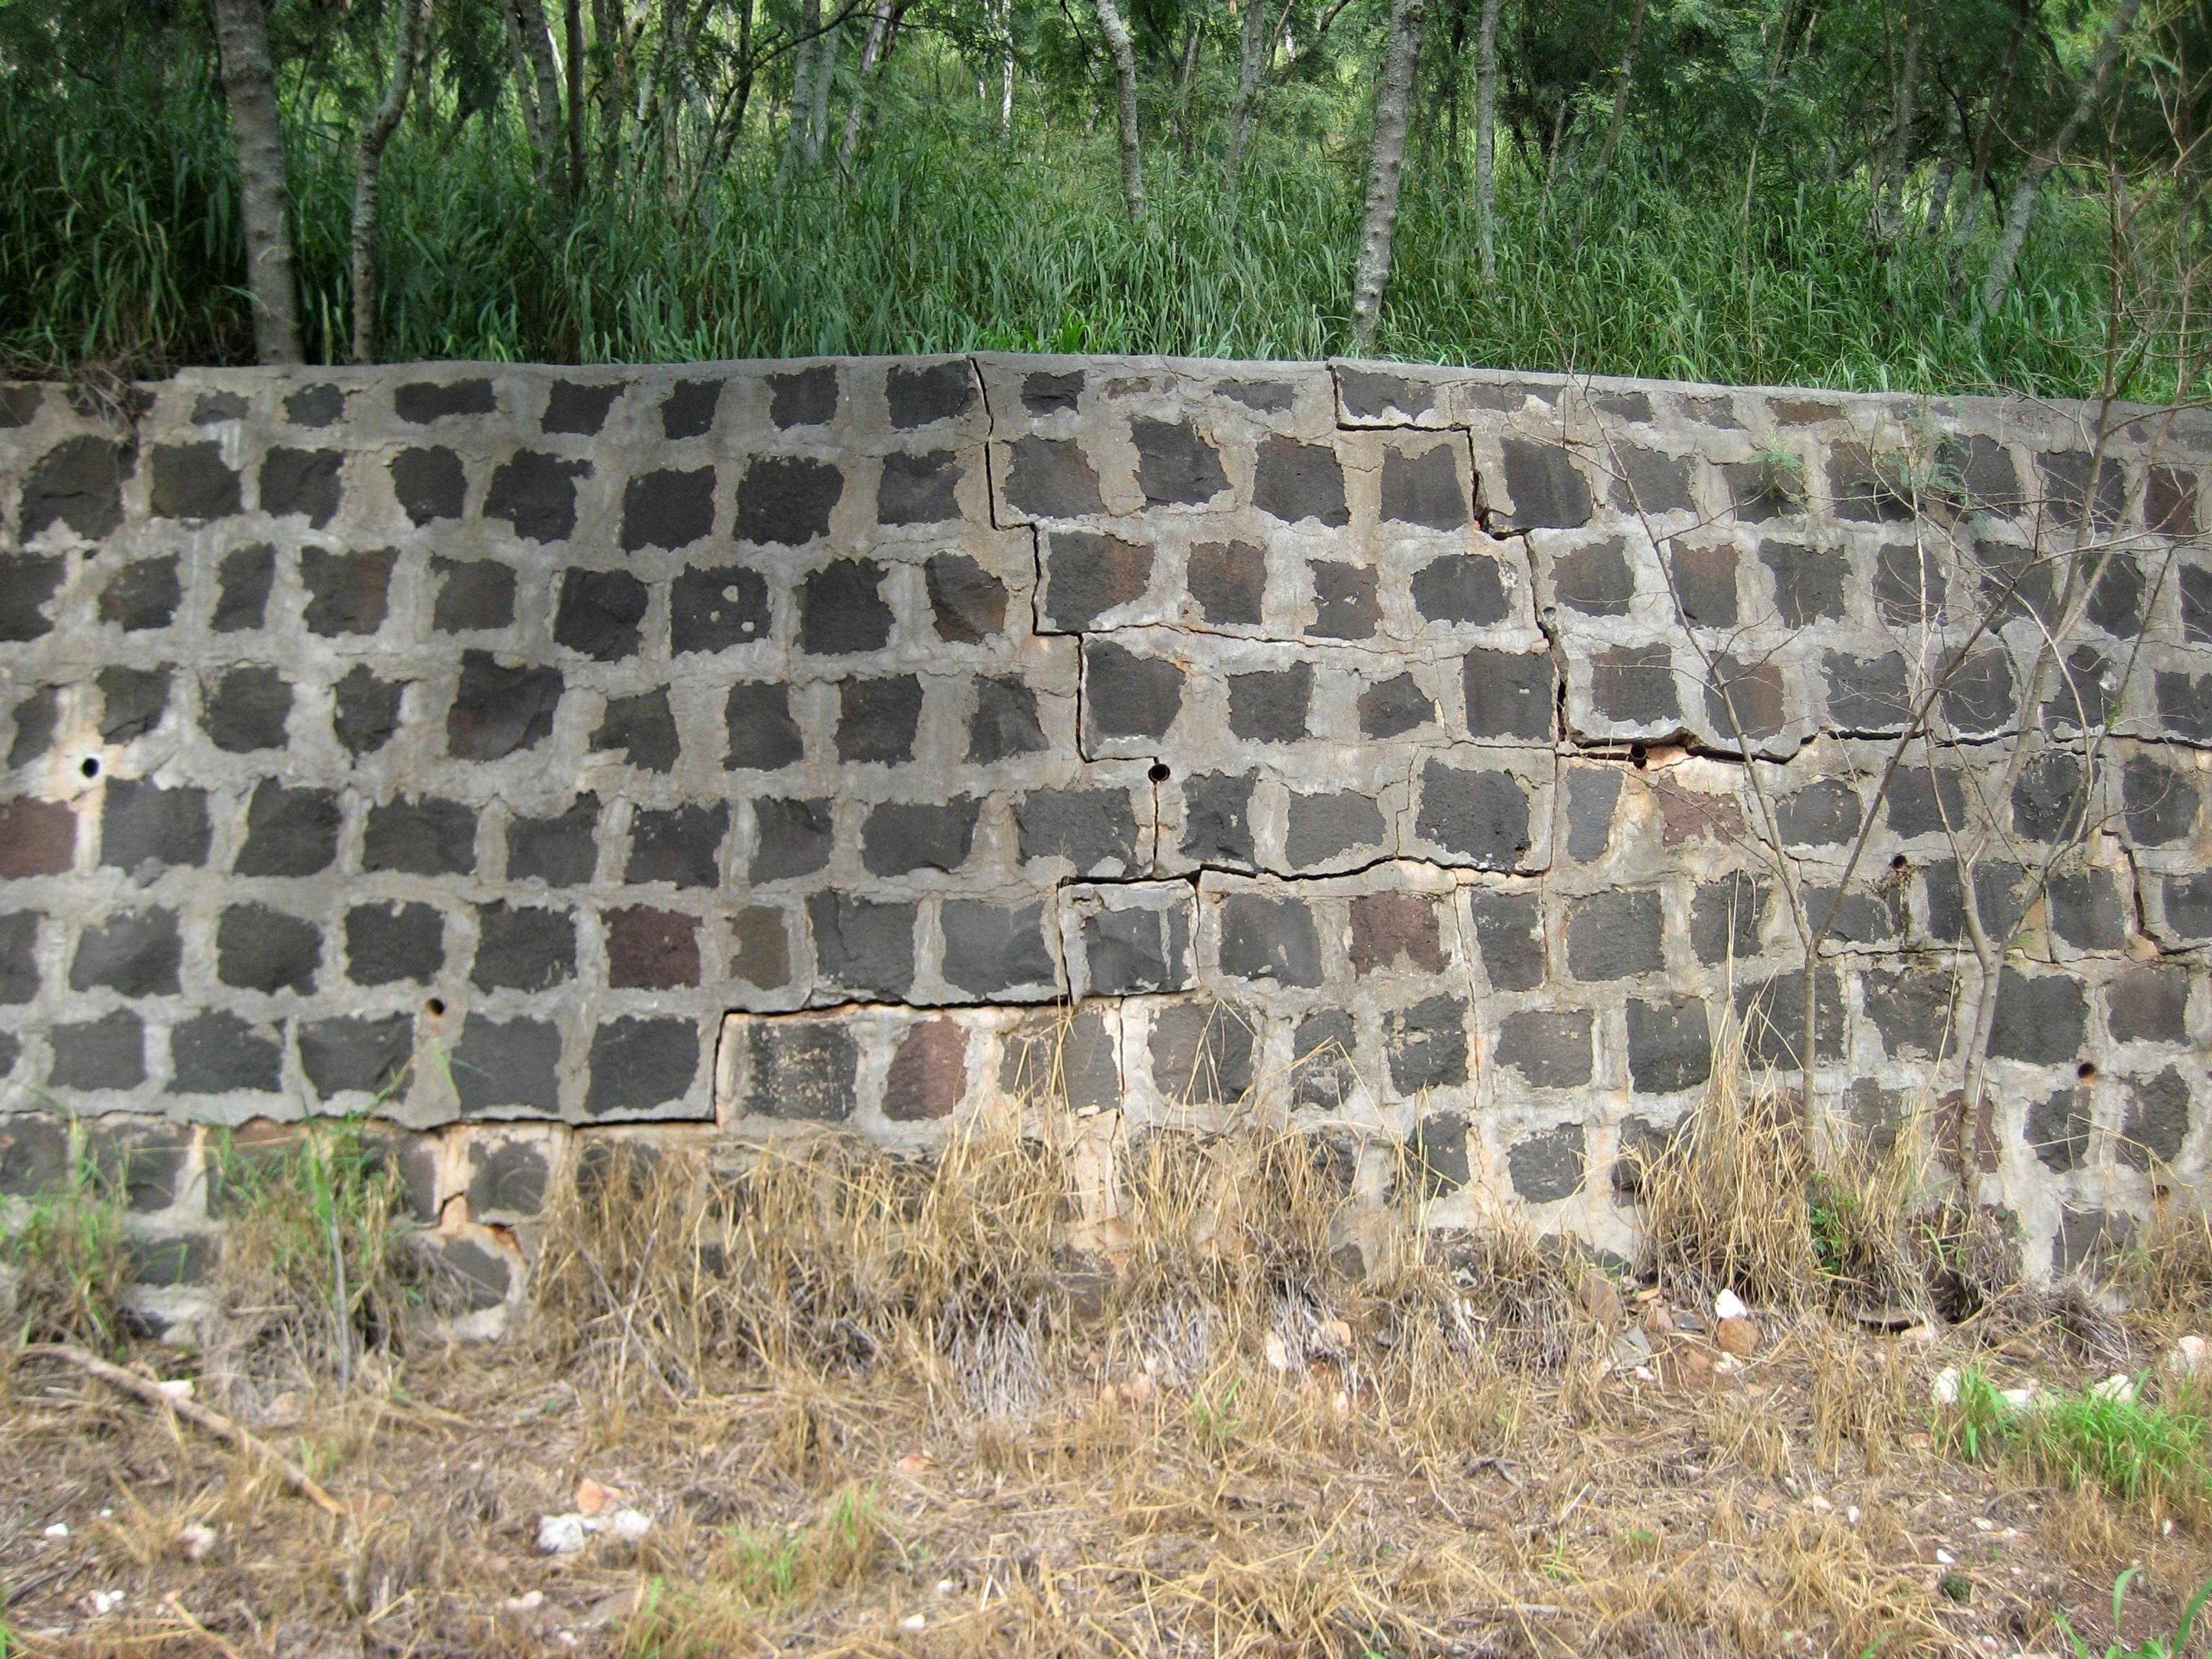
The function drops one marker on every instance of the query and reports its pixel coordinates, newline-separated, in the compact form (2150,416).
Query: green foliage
(70,1257)
(2156,1647)
(1980,1425)
(2148,1456)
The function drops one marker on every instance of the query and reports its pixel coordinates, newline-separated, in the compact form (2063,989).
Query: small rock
(1737,1335)
(1600,1300)
(198,1538)
(2021,1398)
(592,1498)
(103,1602)
(561,1534)
(1631,1347)
(1657,1320)
(1729,1305)
(1277,1352)
(1920,1336)
(1851,1516)
(912,1464)
(1944,1390)
(1945,1558)
(59,1530)
(628,1525)
(529,1602)
(2190,1356)
(914,1622)
(2118,1387)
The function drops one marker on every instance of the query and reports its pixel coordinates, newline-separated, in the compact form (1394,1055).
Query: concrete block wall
(864,741)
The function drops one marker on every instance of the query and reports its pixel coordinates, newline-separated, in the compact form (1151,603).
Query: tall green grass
(120,242)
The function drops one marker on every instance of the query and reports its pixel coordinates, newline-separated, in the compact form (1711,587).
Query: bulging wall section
(1425,755)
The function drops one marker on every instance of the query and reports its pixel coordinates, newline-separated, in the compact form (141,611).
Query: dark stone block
(2188,903)
(290,832)
(650,949)
(1509,694)
(1394,707)
(1005,723)
(682,845)
(1866,695)
(919,489)
(1425,1045)
(1293,480)
(667,508)
(1724,918)
(2116,603)
(795,839)
(1594,580)
(1136,951)
(132,701)
(2161,801)
(1228,580)
(1127,695)
(642,727)
(1924,802)
(1916,1009)
(1052,478)
(1773,1018)
(599,613)
(936,392)
(2148,1005)
(144,1161)
(712,610)
(802,1069)
(78,483)
(2049,798)
(2157,1121)
(639,1064)
(498,709)
(1745,698)
(1047,394)
(2058,1130)
(1980,473)
(1824,813)
(1862,915)
(1548,491)
(1437,1154)
(507,1177)
(1070,1062)
(472,594)
(1088,827)
(2170,503)
(218,1053)
(388,943)
(1809,582)
(1763,491)
(688,411)
(1270,706)
(1201,1053)
(36,718)
(842,609)
(421,838)
(523,948)
(1323,1072)
(1217,817)
(1176,466)
(302,482)
(1635,683)
(1088,574)
(876,720)
(929,1075)
(1670,1045)
(760,947)
(315,406)
(259,949)
(1270,939)
(866,947)
(19,959)
(247,710)
(764,737)
(1623,406)
(136,953)
(242,588)
(1869,489)
(2088,1239)
(193,482)
(559,851)
(140,824)
(788,498)
(173,1260)
(1978,696)
(366,711)
(2041,1019)
(2086,912)
(143,594)
(25,586)
(208,409)
(1425,488)
(1345,605)
(967,602)
(1483,817)
(107,1053)
(421,402)
(1550,1049)
(537,493)
(2196,604)
(1592,793)
(1615,934)
(572,406)
(1370,396)
(347,592)
(1549,1165)
(1997,892)
(2066,483)
(1391,929)
(1322,826)
(1460,587)
(1647,482)
(1908,586)
(804,396)
(2184,706)
(901,836)
(990,949)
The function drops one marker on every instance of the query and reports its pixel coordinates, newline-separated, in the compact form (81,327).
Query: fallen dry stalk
(192,1412)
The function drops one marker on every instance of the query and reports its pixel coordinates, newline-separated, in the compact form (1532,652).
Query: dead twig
(213,1422)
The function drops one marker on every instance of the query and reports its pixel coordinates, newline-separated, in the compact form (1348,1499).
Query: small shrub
(70,1259)
(2145,1454)
(2156,1647)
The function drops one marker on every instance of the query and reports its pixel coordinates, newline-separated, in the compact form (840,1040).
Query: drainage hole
(91,765)
(436,1005)
(1159,772)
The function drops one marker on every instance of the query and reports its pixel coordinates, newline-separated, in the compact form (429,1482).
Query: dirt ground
(1797,1501)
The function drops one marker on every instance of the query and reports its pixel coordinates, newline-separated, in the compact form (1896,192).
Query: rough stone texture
(860,742)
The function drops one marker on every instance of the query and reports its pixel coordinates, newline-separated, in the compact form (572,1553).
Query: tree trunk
(538,50)
(1939,193)
(249,86)
(1889,193)
(802,91)
(1393,88)
(574,41)
(1485,140)
(1124,106)
(1970,217)
(1005,69)
(825,73)
(1187,72)
(871,52)
(1251,66)
(368,173)
(1621,88)
(2030,184)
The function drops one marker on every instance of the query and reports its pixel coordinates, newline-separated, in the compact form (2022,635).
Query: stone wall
(860,741)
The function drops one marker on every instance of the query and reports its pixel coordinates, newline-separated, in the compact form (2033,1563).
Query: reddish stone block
(929,1073)
(650,949)
(1387,926)
(37,838)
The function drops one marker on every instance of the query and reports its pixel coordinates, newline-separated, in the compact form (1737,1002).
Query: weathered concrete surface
(863,741)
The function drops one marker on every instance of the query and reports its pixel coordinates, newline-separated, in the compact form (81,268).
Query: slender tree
(1110,24)
(249,86)
(1251,65)
(1896,155)
(1624,78)
(368,174)
(1394,89)
(526,19)
(573,31)
(1485,140)
(871,53)
(1985,141)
